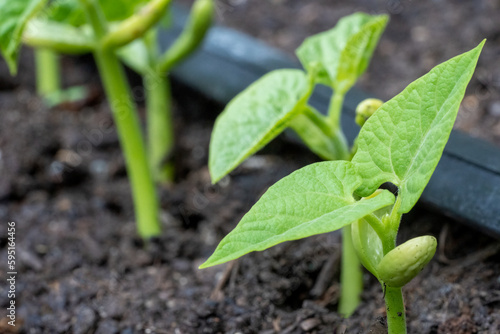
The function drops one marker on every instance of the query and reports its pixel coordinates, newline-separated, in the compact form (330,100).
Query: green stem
(395,217)
(200,20)
(136,25)
(335,146)
(333,121)
(47,72)
(128,126)
(335,110)
(396,316)
(160,128)
(351,280)
(129,131)
(376,224)
(351,276)
(95,17)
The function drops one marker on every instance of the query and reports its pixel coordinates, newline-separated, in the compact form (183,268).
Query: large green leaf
(343,53)
(254,117)
(15,14)
(404,139)
(315,199)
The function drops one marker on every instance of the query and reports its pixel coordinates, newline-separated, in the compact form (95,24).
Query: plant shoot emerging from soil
(335,58)
(110,29)
(401,143)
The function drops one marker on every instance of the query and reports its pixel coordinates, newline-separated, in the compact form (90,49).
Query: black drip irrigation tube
(466,182)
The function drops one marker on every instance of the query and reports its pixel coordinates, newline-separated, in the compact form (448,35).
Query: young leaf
(315,199)
(15,15)
(254,117)
(367,244)
(404,139)
(342,54)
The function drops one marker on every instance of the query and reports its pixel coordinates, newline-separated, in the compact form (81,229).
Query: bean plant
(104,28)
(335,58)
(399,143)
(48,73)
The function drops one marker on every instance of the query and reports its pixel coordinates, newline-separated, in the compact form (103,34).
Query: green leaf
(342,54)
(317,141)
(135,55)
(254,117)
(404,139)
(15,15)
(315,199)
(65,11)
(59,37)
(367,244)
(117,10)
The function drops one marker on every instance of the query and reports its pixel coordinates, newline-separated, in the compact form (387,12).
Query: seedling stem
(47,72)
(129,130)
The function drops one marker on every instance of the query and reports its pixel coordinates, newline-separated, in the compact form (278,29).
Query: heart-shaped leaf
(254,117)
(404,139)
(315,199)
(342,54)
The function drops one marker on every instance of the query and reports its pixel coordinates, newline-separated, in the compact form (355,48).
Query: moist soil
(81,267)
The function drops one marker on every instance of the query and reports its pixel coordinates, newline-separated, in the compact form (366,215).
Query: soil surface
(419,36)
(82,269)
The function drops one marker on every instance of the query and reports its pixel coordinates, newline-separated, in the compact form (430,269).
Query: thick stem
(160,128)
(351,276)
(47,72)
(396,316)
(129,131)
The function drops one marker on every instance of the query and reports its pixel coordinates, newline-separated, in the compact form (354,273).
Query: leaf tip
(12,64)
(204,265)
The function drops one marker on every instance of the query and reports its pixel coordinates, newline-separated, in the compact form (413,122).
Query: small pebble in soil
(84,320)
(309,324)
(494,109)
(107,326)
(99,168)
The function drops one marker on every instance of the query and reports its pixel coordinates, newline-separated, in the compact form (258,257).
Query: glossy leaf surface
(404,139)
(315,199)
(254,117)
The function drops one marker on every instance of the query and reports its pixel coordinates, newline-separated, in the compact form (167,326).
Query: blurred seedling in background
(110,29)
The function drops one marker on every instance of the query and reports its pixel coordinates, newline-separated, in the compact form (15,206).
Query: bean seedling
(335,58)
(401,143)
(104,28)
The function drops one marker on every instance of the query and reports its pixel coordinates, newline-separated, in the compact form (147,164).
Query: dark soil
(82,268)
